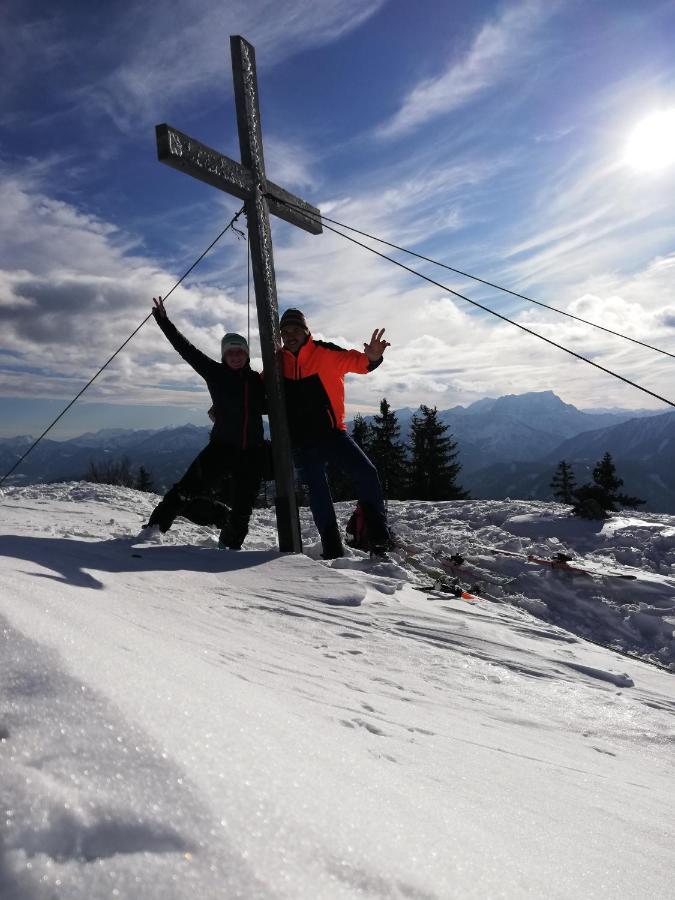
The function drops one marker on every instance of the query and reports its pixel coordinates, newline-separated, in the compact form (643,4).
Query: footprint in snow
(362,723)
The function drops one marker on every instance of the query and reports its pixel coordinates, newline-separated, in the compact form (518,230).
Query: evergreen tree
(595,501)
(362,433)
(144,480)
(604,475)
(433,466)
(387,452)
(563,483)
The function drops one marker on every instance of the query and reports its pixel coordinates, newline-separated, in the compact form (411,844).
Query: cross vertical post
(248,181)
(264,281)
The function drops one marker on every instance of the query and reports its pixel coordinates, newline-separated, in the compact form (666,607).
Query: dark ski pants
(341,451)
(217,468)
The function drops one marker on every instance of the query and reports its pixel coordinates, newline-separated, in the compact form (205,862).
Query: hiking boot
(233,534)
(228,541)
(378,534)
(379,551)
(331,543)
(148,532)
(167,509)
(162,517)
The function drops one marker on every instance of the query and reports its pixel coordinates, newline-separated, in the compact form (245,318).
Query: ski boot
(331,543)
(233,533)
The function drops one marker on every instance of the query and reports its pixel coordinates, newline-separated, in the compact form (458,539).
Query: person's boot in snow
(233,534)
(331,543)
(379,535)
(166,510)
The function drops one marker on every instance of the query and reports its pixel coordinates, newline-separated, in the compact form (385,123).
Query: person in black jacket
(236,443)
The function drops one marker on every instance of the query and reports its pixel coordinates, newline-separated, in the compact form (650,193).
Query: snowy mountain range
(165,452)
(643,450)
(517,427)
(509,447)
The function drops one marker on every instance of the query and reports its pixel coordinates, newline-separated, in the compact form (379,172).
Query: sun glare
(651,145)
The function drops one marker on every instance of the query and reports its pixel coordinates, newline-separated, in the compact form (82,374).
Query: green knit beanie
(232,340)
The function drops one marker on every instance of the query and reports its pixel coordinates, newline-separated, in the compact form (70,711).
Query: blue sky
(495,137)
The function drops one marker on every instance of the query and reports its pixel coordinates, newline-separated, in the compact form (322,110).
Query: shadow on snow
(70,558)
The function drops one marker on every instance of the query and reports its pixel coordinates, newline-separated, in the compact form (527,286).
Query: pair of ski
(560,562)
(455,567)
(440,578)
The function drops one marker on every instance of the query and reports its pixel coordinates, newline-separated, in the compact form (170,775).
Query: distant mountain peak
(540,399)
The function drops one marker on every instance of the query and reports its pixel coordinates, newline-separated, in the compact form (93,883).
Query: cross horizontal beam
(178,150)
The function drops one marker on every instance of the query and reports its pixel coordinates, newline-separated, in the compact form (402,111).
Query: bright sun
(651,145)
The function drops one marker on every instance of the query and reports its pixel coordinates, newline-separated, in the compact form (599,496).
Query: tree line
(425,468)
(593,500)
(119,472)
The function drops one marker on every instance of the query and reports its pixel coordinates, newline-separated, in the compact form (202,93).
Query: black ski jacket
(238,395)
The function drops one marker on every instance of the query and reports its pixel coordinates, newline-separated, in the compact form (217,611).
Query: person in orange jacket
(315,405)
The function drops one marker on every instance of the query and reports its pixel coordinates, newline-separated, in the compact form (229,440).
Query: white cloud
(71,291)
(501,48)
(175,50)
(590,220)
(290,165)
(79,293)
(74,285)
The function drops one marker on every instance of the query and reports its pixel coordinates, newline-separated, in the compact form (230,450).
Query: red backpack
(357,530)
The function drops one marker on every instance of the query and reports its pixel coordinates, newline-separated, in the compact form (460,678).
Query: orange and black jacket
(238,395)
(315,388)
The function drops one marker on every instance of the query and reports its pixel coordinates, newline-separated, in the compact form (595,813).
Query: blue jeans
(344,453)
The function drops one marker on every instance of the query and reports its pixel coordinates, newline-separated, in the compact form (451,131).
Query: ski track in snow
(178,721)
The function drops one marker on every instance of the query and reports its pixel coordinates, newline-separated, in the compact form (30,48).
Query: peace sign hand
(158,311)
(375,349)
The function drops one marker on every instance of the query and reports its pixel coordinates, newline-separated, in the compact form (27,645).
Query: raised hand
(375,349)
(158,311)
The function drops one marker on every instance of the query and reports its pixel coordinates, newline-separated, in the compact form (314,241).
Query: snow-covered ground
(180,722)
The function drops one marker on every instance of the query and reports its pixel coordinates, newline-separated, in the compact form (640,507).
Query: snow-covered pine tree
(387,452)
(433,465)
(564,483)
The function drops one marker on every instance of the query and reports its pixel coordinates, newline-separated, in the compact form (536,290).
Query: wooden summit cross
(248,182)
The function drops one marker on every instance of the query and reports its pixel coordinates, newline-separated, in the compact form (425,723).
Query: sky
(529,143)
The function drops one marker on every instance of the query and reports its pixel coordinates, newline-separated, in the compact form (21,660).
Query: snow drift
(178,721)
